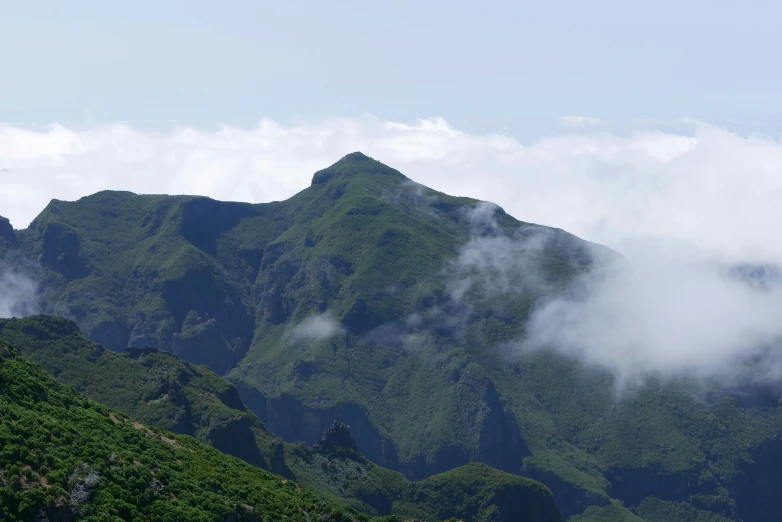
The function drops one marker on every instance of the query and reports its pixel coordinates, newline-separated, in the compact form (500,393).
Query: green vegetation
(164,392)
(345,303)
(478,492)
(63,456)
(151,386)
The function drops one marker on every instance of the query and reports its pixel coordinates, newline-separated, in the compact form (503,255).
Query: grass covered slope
(164,392)
(63,456)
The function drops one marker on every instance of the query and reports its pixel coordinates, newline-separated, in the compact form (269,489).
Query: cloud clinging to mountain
(18,294)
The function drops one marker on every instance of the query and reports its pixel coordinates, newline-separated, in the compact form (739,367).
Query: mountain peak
(353,164)
(355,156)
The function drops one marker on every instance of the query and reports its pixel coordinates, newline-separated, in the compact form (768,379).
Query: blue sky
(511,66)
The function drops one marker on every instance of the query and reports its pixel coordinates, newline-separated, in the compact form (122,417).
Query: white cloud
(18,294)
(316,328)
(667,315)
(579,122)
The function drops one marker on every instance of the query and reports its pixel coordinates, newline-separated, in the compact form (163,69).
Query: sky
(483,66)
(650,127)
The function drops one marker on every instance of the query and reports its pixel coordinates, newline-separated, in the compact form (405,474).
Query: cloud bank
(667,317)
(681,206)
(674,311)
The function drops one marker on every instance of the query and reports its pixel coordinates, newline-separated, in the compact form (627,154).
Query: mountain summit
(355,163)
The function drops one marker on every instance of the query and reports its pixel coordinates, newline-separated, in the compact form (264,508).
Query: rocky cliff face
(491,428)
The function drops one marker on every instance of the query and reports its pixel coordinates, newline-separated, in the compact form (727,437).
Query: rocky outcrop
(336,437)
(61,250)
(7,231)
(492,433)
(295,422)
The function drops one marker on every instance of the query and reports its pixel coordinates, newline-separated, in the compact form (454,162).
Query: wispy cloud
(316,328)
(18,294)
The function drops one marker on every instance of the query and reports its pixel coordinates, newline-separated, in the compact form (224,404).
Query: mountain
(374,301)
(65,457)
(161,391)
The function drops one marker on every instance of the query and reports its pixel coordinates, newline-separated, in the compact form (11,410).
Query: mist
(18,295)
(492,263)
(659,307)
(316,328)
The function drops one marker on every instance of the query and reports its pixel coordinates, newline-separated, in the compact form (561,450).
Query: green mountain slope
(64,457)
(387,306)
(164,392)
(151,386)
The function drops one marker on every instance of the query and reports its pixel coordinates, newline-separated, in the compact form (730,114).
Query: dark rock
(277,460)
(294,422)
(204,220)
(336,437)
(7,231)
(61,250)
(491,428)
(235,437)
